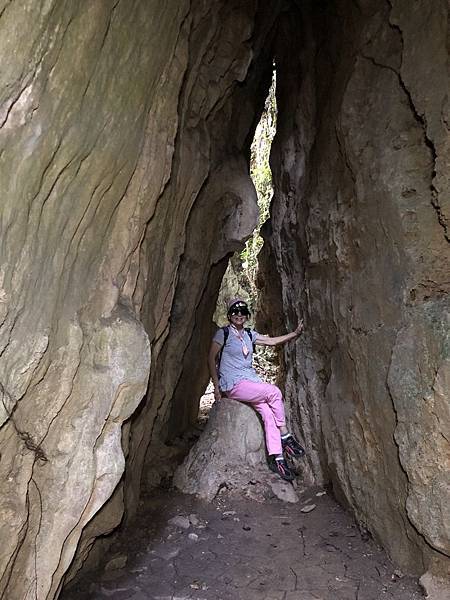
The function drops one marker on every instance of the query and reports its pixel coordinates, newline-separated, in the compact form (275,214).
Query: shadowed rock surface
(125,130)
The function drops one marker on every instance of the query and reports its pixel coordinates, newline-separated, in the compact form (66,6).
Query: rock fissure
(100,50)
(345,157)
(38,528)
(428,139)
(29,442)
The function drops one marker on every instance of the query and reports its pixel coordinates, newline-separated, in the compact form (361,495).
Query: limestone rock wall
(124,135)
(359,243)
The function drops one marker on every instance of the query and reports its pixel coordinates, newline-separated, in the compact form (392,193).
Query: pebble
(397,574)
(193,537)
(180,521)
(308,508)
(112,591)
(198,585)
(194,520)
(139,569)
(167,552)
(117,562)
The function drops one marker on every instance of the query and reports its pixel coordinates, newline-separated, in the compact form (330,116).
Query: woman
(235,378)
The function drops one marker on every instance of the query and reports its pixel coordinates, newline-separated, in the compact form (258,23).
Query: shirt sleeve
(255,335)
(219,337)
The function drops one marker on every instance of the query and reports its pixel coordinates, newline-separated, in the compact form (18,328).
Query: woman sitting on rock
(235,378)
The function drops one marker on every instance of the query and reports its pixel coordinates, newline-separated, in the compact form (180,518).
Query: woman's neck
(238,327)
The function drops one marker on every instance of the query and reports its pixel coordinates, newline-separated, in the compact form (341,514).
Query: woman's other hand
(299,328)
(264,340)
(217,394)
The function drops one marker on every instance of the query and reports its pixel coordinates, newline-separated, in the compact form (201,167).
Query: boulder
(231,454)
(434,587)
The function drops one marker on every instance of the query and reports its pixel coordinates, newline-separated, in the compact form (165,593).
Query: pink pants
(268,401)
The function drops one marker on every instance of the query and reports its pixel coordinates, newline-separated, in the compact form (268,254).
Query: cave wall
(125,185)
(358,243)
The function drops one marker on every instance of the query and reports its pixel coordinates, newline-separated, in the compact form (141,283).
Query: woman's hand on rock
(217,394)
(299,327)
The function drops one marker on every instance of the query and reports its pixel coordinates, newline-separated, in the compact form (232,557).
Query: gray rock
(283,490)
(194,520)
(167,551)
(228,452)
(308,508)
(180,521)
(118,562)
(435,588)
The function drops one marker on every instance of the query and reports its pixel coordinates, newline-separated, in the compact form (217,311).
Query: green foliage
(240,277)
(262,179)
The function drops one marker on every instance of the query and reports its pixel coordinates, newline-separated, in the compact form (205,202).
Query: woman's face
(238,319)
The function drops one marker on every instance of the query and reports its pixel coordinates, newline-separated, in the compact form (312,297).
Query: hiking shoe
(291,447)
(280,466)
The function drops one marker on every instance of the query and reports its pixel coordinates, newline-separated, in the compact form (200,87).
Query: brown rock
(357,245)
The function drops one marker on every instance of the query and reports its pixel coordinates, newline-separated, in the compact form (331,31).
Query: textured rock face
(231,453)
(124,130)
(359,245)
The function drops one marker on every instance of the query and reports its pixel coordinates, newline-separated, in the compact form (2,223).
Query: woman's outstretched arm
(280,339)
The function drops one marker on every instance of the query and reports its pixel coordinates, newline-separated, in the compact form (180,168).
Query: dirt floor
(236,549)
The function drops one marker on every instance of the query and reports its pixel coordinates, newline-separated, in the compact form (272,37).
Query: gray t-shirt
(234,366)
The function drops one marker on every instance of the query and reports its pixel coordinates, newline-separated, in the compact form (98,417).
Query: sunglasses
(244,312)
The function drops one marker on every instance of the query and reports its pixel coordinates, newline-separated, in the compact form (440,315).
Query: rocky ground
(240,549)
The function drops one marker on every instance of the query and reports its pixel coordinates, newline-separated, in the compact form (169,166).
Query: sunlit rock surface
(124,135)
(359,247)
